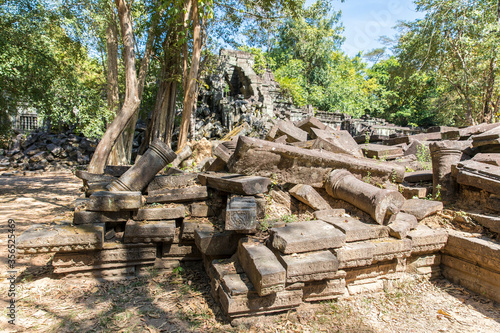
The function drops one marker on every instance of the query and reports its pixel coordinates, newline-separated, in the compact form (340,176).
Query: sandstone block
(421,208)
(114,201)
(307,236)
(309,196)
(480,175)
(237,184)
(427,240)
(262,267)
(390,248)
(40,238)
(336,142)
(152,214)
(355,230)
(178,195)
(241,214)
(326,289)
(201,209)
(355,254)
(170,182)
(302,166)
(212,243)
(324,214)
(88,217)
(149,231)
(310,266)
(491,222)
(381,152)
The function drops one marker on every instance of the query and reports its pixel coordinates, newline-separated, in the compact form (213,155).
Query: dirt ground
(181,301)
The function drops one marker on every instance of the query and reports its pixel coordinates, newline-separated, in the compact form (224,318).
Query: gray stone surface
(390,248)
(310,266)
(381,204)
(213,243)
(149,231)
(60,238)
(479,175)
(324,214)
(309,196)
(178,195)
(201,209)
(293,133)
(418,176)
(174,181)
(160,213)
(427,240)
(481,251)
(421,208)
(492,222)
(493,159)
(326,289)
(262,267)
(295,165)
(336,142)
(381,152)
(241,214)
(355,254)
(402,224)
(238,184)
(111,256)
(88,217)
(355,230)
(307,236)
(114,201)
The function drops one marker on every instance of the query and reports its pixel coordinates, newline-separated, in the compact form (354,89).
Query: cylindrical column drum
(143,171)
(444,154)
(379,203)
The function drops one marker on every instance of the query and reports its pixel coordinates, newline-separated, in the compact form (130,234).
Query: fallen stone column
(379,203)
(444,154)
(138,176)
(295,165)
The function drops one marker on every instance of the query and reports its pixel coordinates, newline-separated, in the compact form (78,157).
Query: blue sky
(366,20)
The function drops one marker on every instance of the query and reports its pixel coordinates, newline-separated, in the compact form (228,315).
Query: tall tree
(458,41)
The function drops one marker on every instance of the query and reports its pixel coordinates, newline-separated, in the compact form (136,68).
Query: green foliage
(259,59)
(45,67)
(454,48)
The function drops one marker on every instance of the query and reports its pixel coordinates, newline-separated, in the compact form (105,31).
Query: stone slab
(324,214)
(326,289)
(94,177)
(307,236)
(155,214)
(308,123)
(293,133)
(355,230)
(201,209)
(309,196)
(421,208)
(472,282)
(427,240)
(213,243)
(189,227)
(111,256)
(390,248)
(480,251)
(402,224)
(492,222)
(414,192)
(238,184)
(240,306)
(493,159)
(114,201)
(355,254)
(336,142)
(178,195)
(40,238)
(310,266)
(418,176)
(381,152)
(183,251)
(88,217)
(479,175)
(149,231)
(294,165)
(262,267)
(170,182)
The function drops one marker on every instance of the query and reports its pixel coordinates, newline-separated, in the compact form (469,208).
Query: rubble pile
(44,151)
(366,206)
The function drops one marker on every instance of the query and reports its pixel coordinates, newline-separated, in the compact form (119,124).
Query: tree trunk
(190,92)
(132,101)
(117,155)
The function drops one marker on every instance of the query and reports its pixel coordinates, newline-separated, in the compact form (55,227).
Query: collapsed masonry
(235,94)
(362,237)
